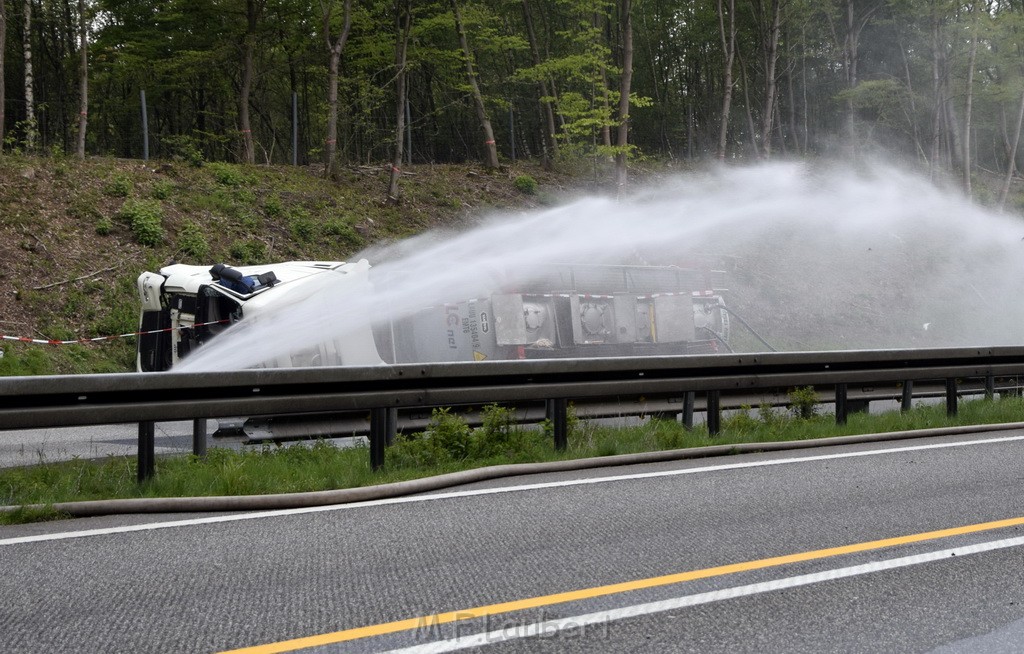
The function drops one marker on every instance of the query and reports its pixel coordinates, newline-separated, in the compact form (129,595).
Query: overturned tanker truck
(570,310)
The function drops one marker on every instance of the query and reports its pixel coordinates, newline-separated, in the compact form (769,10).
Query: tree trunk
(491,150)
(252,11)
(547,105)
(850,47)
(3,85)
(625,86)
(30,116)
(969,105)
(83,80)
(937,95)
(403,23)
(335,46)
(729,51)
(771,87)
(746,104)
(1012,163)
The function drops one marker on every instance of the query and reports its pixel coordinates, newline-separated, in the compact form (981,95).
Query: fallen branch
(40,241)
(76,279)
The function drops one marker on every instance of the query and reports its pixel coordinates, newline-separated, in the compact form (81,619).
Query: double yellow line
(612,589)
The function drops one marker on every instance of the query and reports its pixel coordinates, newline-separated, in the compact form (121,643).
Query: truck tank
(566,310)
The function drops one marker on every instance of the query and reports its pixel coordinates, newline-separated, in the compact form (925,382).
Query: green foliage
(104,225)
(23,361)
(248,252)
(319,466)
(273,207)
(344,234)
(526,184)
(496,432)
(184,147)
(192,241)
(119,187)
(741,421)
(768,415)
(803,402)
(145,217)
(302,227)
(449,432)
(162,190)
(228,174)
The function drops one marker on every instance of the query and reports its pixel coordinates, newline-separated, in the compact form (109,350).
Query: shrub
(495,433)
(302,228)
(104,225)
(526,184)
(248,252)
(741,421)
(803,402)
(145,217)
(162,190)
(184,147)
(227,175)
(273,207)
(192,241)
(449,432)
(118,187)
(343,232)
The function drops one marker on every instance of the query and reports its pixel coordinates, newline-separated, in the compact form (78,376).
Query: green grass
(448,445)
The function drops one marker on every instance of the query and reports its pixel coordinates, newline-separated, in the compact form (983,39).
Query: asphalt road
(867,548)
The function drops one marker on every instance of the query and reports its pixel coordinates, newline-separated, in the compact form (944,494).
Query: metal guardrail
(61,401)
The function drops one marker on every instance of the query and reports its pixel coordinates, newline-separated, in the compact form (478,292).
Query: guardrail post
(689,399)
(951,407)
(714,419)
(199,437)
(391,428)
(147,450)
(841,391)
(990,386)
(378,436)
(558,414)
(908,396)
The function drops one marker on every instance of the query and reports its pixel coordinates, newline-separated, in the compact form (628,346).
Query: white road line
(491,491)
(549,628)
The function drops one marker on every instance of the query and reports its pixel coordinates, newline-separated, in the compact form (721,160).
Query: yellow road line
(611,589)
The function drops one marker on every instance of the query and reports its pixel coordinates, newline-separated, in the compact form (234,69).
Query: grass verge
(448,445)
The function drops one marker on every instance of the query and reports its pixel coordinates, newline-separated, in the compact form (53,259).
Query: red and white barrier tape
(79,341)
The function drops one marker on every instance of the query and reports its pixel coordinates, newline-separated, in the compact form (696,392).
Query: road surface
(911,546)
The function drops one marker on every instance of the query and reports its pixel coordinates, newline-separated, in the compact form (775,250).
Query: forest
(933,83)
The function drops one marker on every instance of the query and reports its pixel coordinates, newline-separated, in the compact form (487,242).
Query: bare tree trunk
(803,88)
(937,93)
(252,11)
(771,87)
(970,101)
(850,47)
(335,46)
(729,51)
(547,105)
(625,86)
(403,24)
(30,116)
(912,118)
(3,85)
(606,130)
(83,79)
(746,103)
(1012,163)
(491,152)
